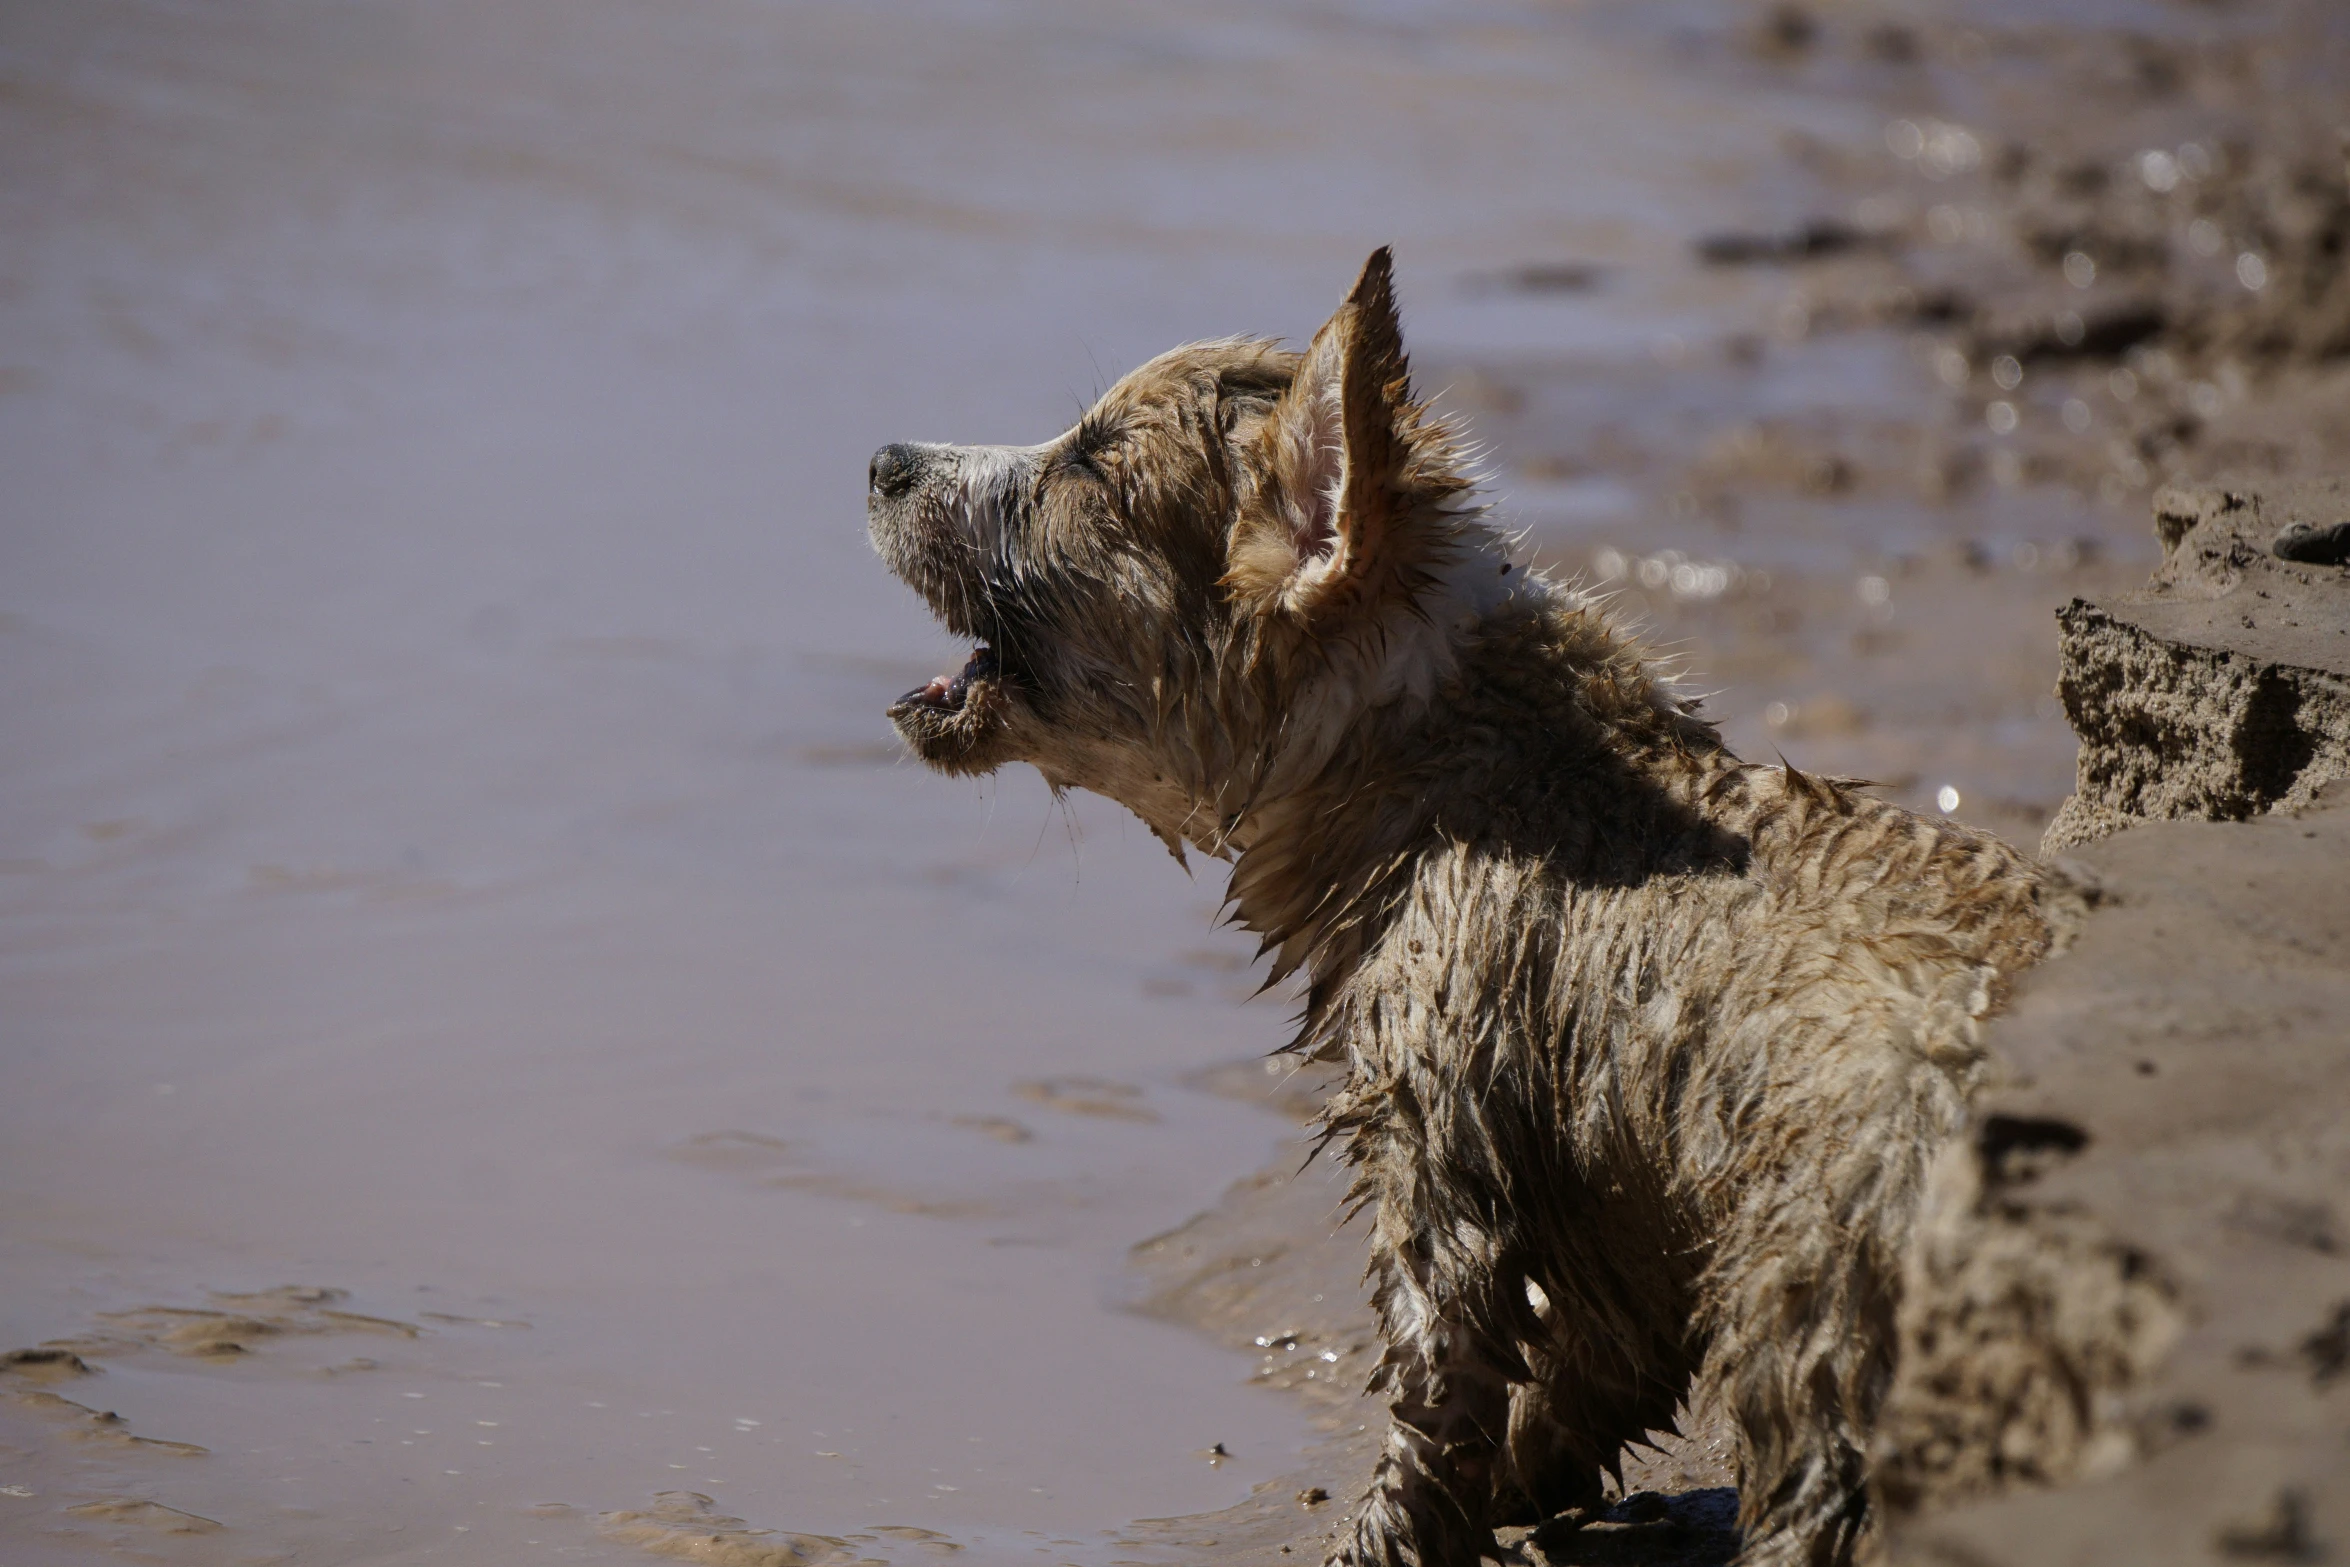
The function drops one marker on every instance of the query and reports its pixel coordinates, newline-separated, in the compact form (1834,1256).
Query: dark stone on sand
(2314,544)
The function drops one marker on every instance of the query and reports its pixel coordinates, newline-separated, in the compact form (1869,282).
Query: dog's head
(1235,554)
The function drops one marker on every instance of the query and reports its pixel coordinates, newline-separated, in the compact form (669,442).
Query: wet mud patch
(234,1373)
(235,1325)
(925,1539)
(78,1422)
(688,1526)
(229,1330)
(238,1323)
(43,1366)
(141,1516)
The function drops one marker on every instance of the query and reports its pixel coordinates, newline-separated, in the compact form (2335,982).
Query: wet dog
(1647,1049)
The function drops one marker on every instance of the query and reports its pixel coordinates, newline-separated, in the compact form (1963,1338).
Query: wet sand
(495,1037)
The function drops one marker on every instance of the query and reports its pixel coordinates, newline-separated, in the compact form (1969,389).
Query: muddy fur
(1648,1050)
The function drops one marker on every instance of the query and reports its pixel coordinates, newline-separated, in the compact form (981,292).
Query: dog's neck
(1195,787)
(1322,848)
(1387,674)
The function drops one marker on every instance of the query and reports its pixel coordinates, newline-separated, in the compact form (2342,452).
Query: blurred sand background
(492,1032)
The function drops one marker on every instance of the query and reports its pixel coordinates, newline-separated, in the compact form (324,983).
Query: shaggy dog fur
(1647,1049)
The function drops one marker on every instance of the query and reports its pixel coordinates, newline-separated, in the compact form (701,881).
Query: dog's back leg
(1802,1387)
(1802,1301)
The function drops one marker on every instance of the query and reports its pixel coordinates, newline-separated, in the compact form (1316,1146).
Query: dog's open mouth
(950,693)
(957,722)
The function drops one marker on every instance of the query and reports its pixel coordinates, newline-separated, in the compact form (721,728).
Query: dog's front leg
(1429,1499)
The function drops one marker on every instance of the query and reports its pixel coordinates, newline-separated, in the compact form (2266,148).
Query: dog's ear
(1322,533)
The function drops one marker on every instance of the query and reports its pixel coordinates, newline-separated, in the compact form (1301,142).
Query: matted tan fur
(1647,1049)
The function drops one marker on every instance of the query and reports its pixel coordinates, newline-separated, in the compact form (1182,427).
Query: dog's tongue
(943,690)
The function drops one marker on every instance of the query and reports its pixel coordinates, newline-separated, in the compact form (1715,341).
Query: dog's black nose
(895,467)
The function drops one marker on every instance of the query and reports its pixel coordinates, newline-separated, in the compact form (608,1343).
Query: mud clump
(44,1365)
(2223,690)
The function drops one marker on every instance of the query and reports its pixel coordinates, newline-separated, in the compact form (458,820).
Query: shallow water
(450,851)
